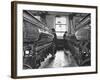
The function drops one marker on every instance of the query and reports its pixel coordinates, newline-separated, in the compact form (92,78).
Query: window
(60,26)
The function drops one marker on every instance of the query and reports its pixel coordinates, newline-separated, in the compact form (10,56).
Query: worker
(54,44)
(65,40)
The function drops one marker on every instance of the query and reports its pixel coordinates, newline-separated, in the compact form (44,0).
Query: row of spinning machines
(36,45)
(80,43)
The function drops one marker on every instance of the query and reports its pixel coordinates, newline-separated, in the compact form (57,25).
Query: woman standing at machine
(54,48)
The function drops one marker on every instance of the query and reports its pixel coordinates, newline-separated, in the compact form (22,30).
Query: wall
(50,19)
(5,40)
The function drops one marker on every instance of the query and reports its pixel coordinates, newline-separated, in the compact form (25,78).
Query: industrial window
(60,25)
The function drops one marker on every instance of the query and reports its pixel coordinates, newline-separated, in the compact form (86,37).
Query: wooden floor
(60,60)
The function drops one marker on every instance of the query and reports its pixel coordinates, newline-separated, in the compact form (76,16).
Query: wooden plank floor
(60,60)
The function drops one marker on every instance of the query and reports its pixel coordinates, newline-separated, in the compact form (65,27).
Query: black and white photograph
(56,39)
(53,39)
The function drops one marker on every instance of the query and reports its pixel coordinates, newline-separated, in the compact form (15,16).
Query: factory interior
(54,39)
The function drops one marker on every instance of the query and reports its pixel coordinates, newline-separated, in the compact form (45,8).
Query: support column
(71,29)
